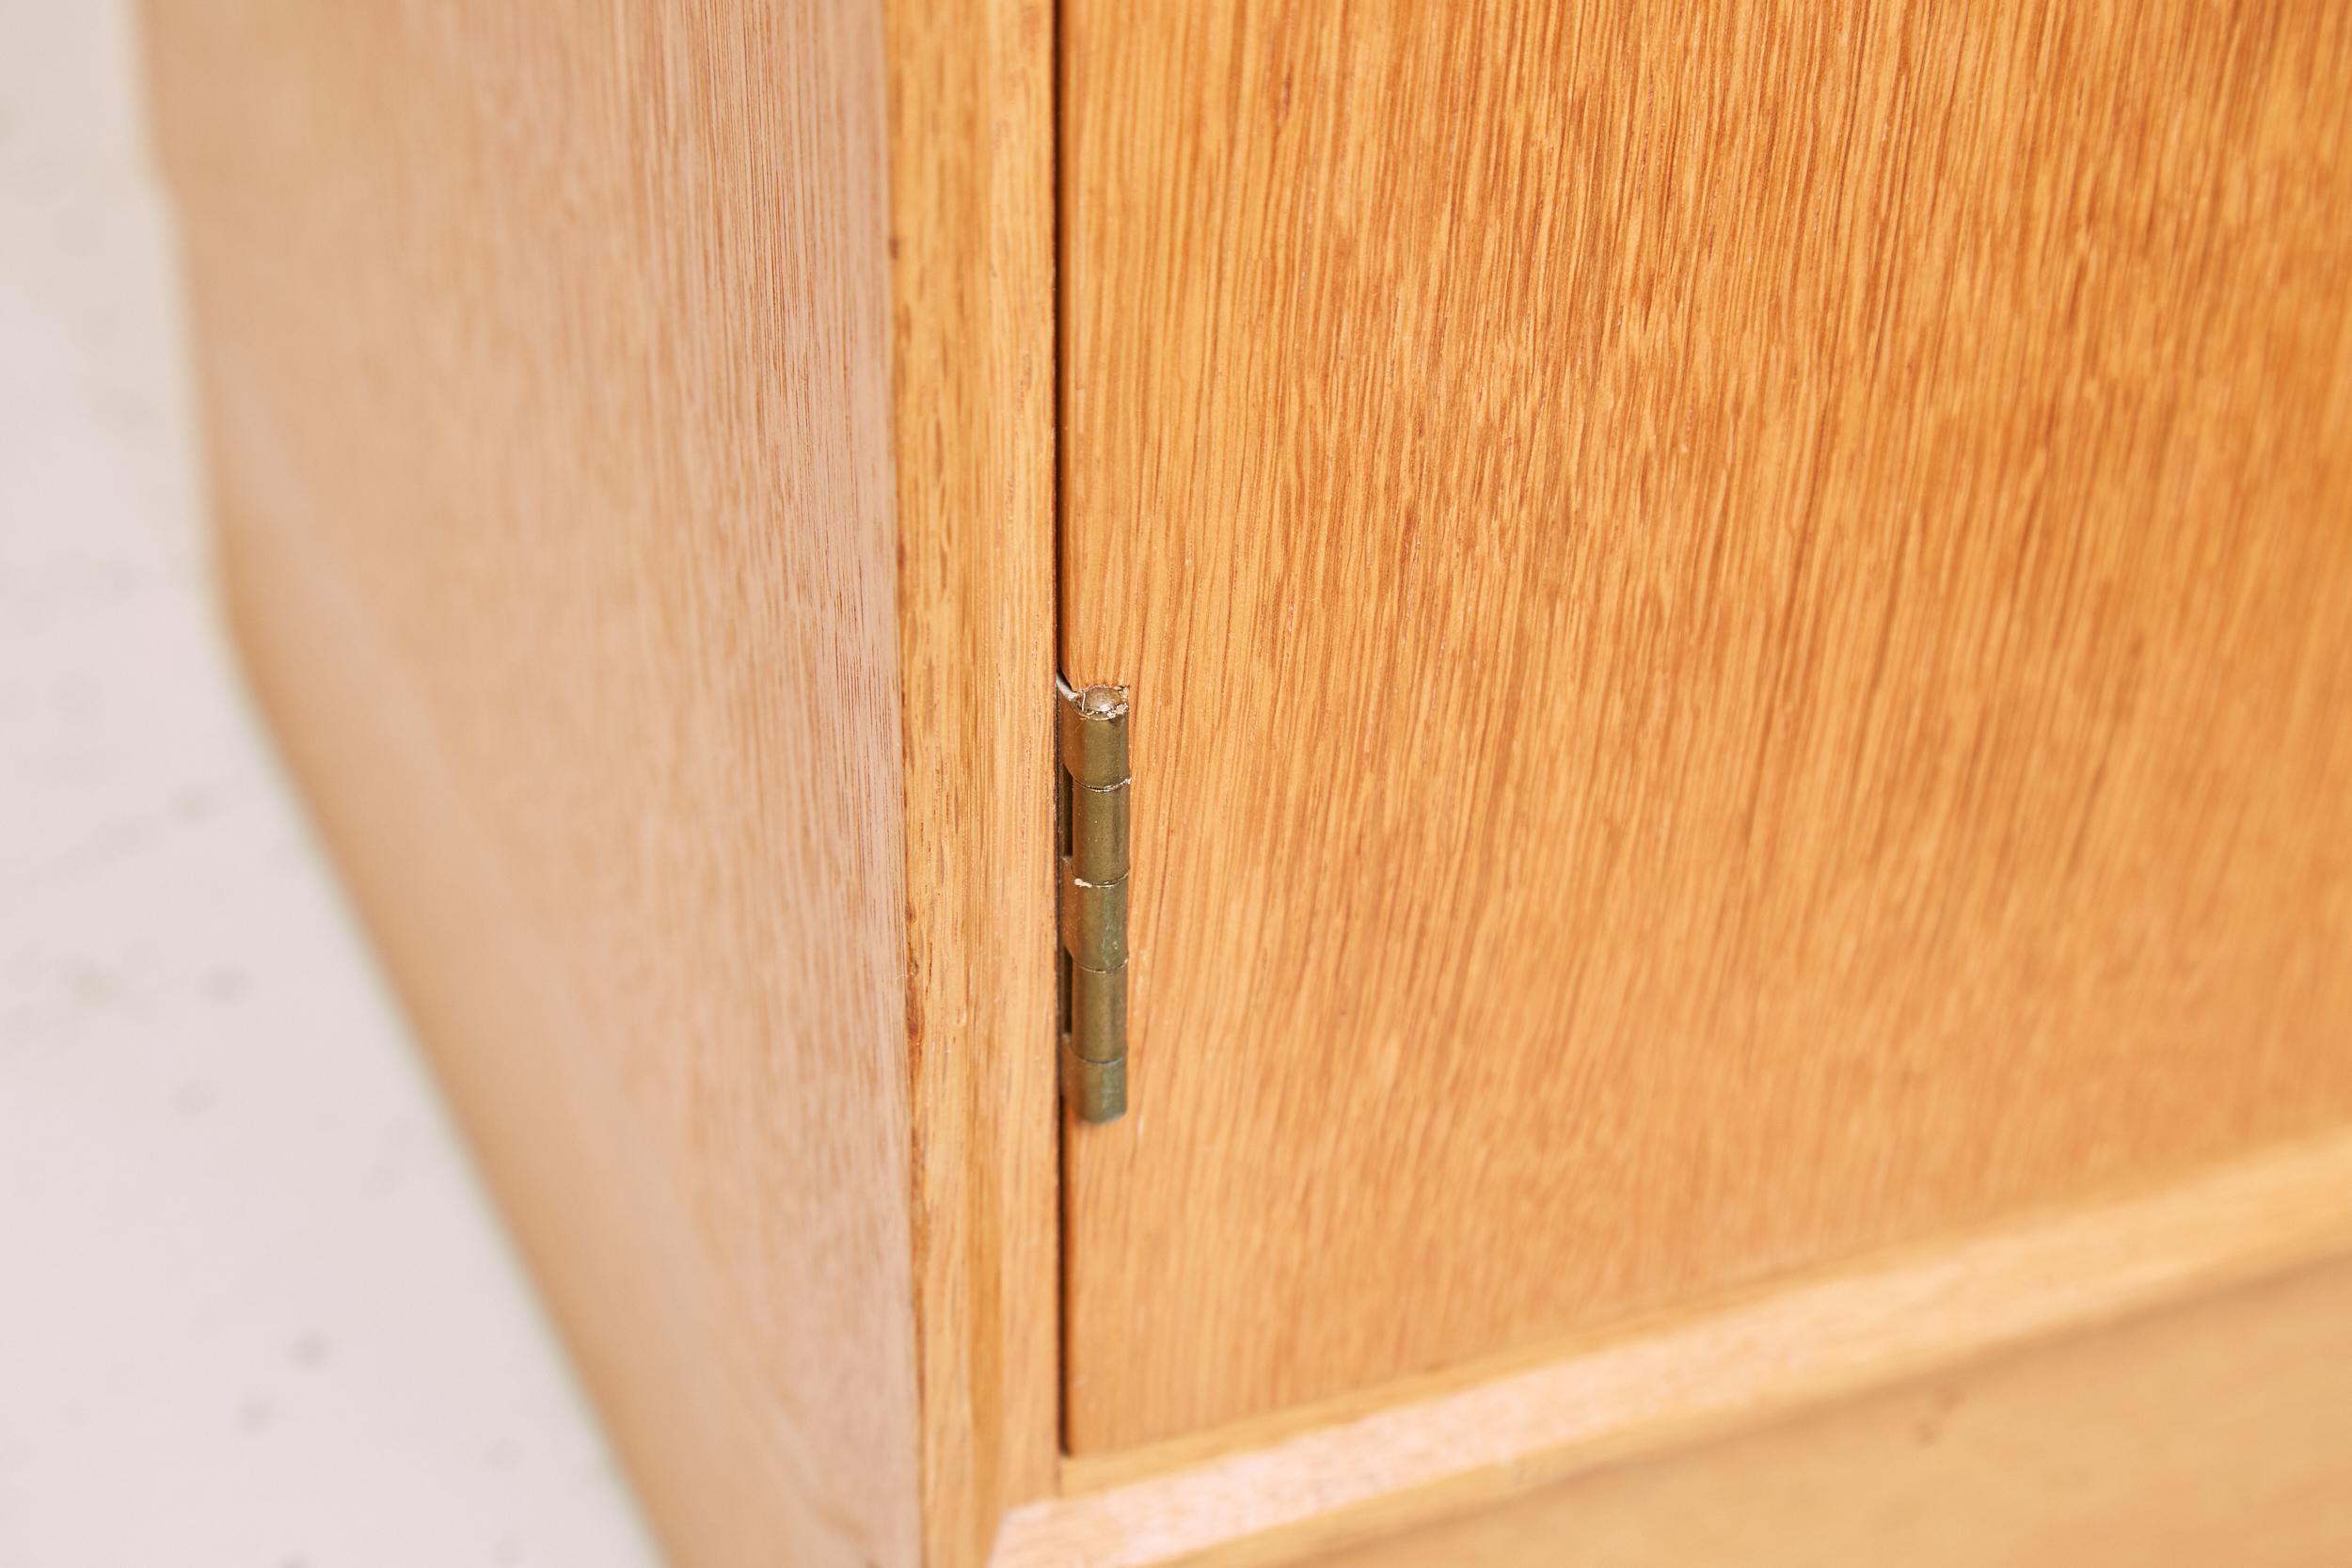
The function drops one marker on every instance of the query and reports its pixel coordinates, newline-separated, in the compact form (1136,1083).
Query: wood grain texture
(1445,1447)
(972,247)
(548,370)
(1738,624)
(2219,1433)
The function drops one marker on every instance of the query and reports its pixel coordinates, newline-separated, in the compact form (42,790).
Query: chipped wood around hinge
(1096,784)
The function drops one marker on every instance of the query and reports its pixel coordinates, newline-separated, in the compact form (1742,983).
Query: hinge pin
(1093,732)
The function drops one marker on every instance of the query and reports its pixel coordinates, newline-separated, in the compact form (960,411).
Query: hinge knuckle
(1098,832)
(1093,921)
(1098,1014)
(1094,736)
(1092,730)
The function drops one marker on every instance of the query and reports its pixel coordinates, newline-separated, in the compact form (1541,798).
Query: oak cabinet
(1736,632)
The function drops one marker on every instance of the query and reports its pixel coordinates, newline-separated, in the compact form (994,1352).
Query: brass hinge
(1095,785)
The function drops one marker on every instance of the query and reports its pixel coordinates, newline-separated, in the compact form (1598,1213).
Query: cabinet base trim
(1700,1375)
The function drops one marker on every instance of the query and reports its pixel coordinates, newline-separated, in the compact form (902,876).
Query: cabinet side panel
(546,360)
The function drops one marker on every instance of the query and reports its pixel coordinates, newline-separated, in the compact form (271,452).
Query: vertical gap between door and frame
(1056,96)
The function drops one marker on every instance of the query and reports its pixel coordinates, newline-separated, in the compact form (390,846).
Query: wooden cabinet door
(1741,622)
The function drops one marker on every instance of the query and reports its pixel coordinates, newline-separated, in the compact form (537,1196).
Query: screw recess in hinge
(1093,732)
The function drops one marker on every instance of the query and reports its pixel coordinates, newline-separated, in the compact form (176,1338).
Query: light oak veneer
(1743,862)
(631,433)
(1739,624)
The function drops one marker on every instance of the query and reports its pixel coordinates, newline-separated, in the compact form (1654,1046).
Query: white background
(255,1309)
